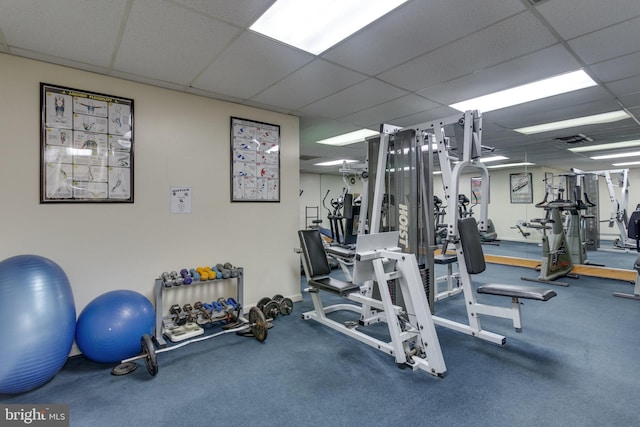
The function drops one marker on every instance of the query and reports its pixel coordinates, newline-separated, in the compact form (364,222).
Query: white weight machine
(409,186)
(413,338)
(619,215)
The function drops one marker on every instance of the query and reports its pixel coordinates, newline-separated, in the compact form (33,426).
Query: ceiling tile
(617,68)
(84,31)
(170,43)
(309,84)
(631,101)
(506,75)
(355,98)
(625,86)
(416,28)
(511,38)
(250,65)
(229,11)
(389,111)
(573,18)
(608,43)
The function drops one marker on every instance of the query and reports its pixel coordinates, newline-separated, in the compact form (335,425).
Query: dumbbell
(194,274)
(212,274)
(233,303)
(204,276)
(180,318)
(217,306)
(178,280)
(217,271)
(226,273)
(285,304)
(204,315)
(234,271)
(185,276)
(269,307)
(167,280)
(188,310)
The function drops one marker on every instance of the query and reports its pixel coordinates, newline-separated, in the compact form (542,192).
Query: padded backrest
(314,254)
(471,245)
(633,230)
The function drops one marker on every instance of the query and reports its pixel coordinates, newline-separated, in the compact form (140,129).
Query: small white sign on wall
(180,200)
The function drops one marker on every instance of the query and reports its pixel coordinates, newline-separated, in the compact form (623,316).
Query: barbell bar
(257,324)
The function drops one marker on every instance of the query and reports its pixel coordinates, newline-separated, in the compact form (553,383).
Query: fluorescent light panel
(563,83)
(492,159)
(612,116)
(334,162)
(349,138)
(610,146)
(315,26)
(510,165)
(626,163)
(616,156)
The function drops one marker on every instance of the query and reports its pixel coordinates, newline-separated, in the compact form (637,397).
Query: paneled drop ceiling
(403,69)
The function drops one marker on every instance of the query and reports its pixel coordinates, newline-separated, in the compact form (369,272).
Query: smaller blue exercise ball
(110,327)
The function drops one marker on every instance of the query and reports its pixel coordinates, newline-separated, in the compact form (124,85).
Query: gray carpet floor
(575,364)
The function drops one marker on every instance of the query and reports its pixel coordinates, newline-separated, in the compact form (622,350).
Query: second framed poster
(521,188)
(255,161)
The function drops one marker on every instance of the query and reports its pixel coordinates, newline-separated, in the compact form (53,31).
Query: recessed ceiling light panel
(315,26)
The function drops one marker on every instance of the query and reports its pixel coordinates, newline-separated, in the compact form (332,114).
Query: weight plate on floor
(286,306)
(271,309)
(124,368)
(258,323)
(263,302)
(277,298)
(151,360)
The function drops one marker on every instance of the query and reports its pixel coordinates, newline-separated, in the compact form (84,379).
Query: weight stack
(396,295)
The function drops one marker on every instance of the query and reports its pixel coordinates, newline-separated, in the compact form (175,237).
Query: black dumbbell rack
(160,289)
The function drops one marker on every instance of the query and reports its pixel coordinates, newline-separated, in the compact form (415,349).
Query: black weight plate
(151,360)
(277,298)
(263,302)
(271,309)
(286,306)
(258,324)
(124,368)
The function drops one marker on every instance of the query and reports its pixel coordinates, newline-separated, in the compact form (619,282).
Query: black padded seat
(475,263)
(318,266)
(333,285)
(517,291)
(445,258)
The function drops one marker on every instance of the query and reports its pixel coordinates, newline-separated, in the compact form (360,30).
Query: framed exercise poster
(86,146)
(255,161)
(521,188)
(476,190)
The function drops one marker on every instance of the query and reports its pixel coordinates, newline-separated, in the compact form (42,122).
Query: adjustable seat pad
(318,265)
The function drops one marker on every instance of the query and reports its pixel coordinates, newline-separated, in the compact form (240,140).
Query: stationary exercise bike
(556,258)
(488,236)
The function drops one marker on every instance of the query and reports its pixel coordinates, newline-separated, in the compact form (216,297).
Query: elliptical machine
(556,257)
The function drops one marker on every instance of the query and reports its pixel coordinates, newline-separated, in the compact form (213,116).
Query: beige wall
(180,140)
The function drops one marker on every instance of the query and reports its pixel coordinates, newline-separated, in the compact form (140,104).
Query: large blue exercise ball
(110,327)
(38,318)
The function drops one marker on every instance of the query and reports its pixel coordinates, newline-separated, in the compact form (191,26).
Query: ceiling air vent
(575,139)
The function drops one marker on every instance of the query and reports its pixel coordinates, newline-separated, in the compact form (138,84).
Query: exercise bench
(471,261)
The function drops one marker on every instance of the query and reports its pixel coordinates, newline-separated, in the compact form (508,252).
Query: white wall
(180,139)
